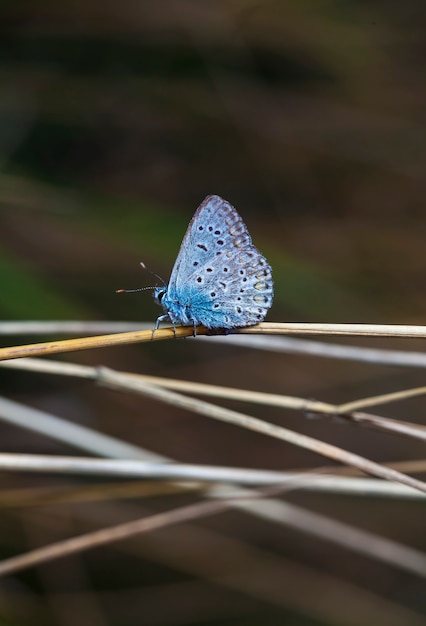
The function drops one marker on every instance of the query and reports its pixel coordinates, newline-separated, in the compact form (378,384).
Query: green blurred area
(27,296)
(303,115)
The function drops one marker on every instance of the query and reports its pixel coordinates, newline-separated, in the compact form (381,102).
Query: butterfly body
(219,279)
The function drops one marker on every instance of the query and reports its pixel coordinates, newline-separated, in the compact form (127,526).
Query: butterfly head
(159,293)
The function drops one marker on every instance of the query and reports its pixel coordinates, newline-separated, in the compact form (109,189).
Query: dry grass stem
(367,543)
(86,343)
(157,471)
(230,495)
(344,411)
(120,381)
(282,344)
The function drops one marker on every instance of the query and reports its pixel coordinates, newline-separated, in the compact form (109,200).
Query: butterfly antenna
(133,290)
(142,288)
(143,266)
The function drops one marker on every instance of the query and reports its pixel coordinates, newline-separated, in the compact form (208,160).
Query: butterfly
(219,279)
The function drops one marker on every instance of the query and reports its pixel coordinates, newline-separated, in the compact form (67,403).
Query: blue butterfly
(219,279)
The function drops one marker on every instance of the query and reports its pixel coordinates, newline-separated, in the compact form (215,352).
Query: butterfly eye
(159,293)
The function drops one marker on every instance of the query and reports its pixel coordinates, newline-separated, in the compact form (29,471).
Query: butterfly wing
(219,278)
(215,226)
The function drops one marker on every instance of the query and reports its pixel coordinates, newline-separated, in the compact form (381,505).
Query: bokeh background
(116,120)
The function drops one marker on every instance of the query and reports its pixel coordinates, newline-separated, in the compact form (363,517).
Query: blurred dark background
(116,120)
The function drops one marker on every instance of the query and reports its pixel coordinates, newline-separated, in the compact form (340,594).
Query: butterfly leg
(160,318)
